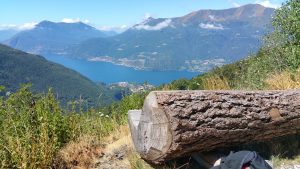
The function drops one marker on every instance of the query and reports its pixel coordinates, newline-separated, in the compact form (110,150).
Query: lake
(110,73)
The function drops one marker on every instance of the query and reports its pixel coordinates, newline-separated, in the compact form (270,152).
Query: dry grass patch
(120,132)
(136,162)
(90,152)
(80,154)
(284,80)
(278,162)
(215,83)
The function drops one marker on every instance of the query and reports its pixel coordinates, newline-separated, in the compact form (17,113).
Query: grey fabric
(238,159)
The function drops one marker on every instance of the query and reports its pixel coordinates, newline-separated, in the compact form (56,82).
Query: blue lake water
(110,73)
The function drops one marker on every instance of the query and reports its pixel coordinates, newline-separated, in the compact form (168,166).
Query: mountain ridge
(180,43)
(184,43)
(53,37)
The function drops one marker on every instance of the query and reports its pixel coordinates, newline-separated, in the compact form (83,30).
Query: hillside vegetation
(17,67)
(37,133)
(34,128)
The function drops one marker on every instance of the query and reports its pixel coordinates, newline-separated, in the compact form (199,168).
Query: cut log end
(150,129)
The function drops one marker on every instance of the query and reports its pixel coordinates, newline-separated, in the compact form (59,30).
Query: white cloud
(25,26)
(156,27)
(147,16)
(211,26)
(7,26)
(86,21)
(268,3)
(70,20)
(118,29)
(234,4)
(74,20)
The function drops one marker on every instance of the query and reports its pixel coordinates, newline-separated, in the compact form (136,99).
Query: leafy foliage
(287,22)
(34,127)
(287,31)
(32,130)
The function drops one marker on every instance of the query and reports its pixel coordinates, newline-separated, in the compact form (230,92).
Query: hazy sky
(106,13)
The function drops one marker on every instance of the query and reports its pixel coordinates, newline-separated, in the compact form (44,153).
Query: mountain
(50,37)
(17,67)
(195,42)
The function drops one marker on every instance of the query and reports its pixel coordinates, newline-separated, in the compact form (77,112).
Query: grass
(136,162)
(278,161)
(215,83)
(80,153)
(86,151)
(34,128)
(284,80)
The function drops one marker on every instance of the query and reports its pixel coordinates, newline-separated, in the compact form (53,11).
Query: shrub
(32,130)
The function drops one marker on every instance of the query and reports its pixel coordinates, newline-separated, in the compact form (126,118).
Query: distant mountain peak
(44,23)
(255,6)
(256,10)
(208,18)
(146,20)
(238,13)
(50,23)
(53,37)
(149,18)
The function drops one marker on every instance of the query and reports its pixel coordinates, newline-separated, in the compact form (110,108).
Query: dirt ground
(115,155)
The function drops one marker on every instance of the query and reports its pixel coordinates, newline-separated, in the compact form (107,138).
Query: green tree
(287,21)
(286,36)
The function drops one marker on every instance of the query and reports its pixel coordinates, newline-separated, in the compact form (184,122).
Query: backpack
(239,160)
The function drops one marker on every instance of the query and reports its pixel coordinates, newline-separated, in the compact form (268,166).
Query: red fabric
(245,166)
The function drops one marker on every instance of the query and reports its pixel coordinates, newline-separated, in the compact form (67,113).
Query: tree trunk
(177,123)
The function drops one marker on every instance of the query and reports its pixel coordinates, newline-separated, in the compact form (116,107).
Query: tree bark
(177,123)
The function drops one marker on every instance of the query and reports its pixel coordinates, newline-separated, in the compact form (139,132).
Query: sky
(106,14)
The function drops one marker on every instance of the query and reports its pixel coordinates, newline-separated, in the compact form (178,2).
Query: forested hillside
(17,67)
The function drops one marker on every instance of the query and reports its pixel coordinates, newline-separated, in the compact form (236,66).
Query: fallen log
(177,123)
